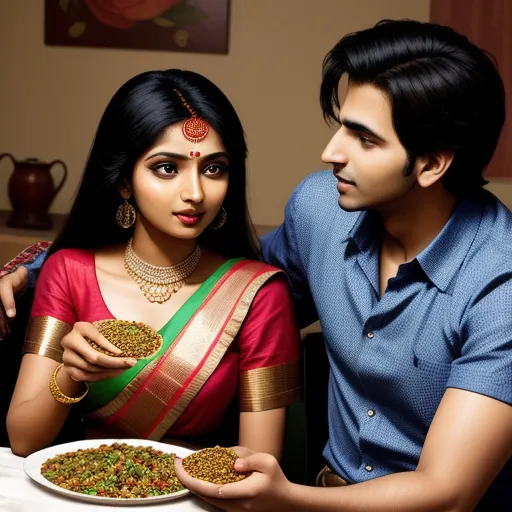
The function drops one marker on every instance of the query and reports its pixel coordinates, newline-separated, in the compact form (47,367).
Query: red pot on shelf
(31,191)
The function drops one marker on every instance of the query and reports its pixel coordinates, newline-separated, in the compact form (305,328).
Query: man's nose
(334,152)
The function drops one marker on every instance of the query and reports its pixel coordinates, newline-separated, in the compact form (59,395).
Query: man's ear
(432,167)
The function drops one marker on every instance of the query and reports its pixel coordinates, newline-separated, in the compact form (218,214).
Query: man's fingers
(242,451)
(260,462)
(19,279)
(196,486)
(245,489)
(92,332)
(7,296)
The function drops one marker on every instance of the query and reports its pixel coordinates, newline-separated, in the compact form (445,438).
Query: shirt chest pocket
(437,372)
(432,358)
(429,382)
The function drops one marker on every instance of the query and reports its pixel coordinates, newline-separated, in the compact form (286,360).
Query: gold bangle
(59,395)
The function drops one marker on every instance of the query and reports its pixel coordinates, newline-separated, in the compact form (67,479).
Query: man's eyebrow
(355,126)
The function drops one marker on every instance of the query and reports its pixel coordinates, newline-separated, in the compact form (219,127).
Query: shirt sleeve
(485,364)
(31,258)
(269,345)
(53,313)
(281,249)
(34,267)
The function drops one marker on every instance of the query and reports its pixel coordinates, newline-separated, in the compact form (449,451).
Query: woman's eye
(166,168)
(214,170)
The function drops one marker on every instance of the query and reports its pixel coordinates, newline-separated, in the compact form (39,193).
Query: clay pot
(31,192)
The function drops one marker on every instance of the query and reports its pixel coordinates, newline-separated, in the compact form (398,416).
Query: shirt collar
(366,231)
(444,255)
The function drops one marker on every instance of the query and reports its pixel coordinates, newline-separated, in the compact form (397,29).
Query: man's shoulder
(493,237)
(489,259)
(320,185)
(497,221)
(315,207)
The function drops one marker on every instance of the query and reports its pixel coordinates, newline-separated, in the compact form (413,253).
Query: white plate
(33,463)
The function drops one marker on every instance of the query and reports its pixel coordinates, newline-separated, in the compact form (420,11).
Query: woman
(162,200)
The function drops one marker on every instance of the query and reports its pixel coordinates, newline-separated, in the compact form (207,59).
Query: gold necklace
(159,283)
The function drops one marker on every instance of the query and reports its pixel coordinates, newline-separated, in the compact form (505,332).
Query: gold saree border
(162,391)
(271,387)
(125,395)
(224,341)
(43,337)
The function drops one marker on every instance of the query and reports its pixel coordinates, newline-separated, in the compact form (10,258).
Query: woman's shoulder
(273,283)
(65,258)
(261,265)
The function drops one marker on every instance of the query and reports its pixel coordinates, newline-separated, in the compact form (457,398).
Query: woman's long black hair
(138,114)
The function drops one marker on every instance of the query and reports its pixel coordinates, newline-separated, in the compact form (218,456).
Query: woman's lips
(189,218)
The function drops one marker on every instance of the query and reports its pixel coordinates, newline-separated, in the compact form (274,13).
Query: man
(411,280)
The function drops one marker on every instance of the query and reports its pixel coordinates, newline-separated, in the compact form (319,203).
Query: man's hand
(10,286)
(267,489)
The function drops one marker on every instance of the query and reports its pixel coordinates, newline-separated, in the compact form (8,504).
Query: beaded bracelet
(59,395)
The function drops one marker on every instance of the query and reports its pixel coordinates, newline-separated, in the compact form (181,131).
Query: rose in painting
(125,13)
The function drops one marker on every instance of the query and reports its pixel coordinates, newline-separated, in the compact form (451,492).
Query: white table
(18,493)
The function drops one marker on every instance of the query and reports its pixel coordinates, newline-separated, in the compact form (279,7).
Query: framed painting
(172,25)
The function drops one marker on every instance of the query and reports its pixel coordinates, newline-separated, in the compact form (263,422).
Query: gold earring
(126,215)
(222,219)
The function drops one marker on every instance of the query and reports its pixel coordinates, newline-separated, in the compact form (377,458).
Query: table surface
(18,493)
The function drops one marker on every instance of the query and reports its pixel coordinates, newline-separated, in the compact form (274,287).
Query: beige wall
(503,189)
(51,98)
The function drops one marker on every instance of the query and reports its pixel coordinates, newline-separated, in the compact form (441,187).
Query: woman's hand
(83,363)
(10,286)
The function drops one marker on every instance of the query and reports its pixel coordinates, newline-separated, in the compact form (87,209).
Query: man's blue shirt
(444,321)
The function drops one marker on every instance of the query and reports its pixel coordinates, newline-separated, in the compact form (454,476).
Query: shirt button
(370,335)
(368,468)
(371,413)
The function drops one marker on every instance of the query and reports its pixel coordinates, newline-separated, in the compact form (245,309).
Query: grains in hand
(133,339)
(215,465)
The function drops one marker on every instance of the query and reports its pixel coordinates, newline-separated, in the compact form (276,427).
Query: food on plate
(114,471)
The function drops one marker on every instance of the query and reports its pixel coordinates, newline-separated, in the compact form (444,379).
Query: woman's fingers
(75,342)
(72,360)
(83,376)
(92,332)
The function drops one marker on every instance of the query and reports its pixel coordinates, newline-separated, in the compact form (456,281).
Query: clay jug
(31,192)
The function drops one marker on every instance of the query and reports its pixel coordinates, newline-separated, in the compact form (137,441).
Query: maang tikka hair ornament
(194,129)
